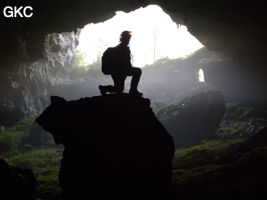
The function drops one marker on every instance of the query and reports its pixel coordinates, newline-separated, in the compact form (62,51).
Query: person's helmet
(125,35)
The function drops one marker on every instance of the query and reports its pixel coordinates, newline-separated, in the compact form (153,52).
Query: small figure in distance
(116,62)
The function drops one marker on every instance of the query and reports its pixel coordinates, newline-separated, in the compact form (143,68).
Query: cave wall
(26,88)
(237,81)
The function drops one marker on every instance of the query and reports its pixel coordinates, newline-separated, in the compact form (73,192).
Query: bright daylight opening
(154,36)
(201,77)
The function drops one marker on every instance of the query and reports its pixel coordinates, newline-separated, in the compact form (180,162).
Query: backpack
(109,61)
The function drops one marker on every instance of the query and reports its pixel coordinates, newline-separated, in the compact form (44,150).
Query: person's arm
(129,63)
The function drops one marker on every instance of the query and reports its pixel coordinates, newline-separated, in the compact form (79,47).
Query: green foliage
(184,176)
(45,165)
(23,136)
(10,140)
(169,106)
(210,145)
(217,168)
(48,187)
(79,60)
(79,63)
(241,120)
(11,137)
(202,56)
(209,152)
(24,124)
(18,148)
(36,159)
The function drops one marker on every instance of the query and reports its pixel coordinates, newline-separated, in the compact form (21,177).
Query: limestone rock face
(114,147)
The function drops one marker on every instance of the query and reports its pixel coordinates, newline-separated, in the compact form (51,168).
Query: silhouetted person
(122,68)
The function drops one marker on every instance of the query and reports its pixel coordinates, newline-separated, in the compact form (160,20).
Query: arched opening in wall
(201,77)
(155,36)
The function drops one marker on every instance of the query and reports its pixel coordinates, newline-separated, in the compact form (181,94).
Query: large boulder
(114,148)
(194,118)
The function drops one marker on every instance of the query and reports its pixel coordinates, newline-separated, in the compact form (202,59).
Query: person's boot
(102,89)
(135,92)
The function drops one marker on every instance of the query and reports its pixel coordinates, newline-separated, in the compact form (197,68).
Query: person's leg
(136,74)
(118,85)
(106,88)
(119,82)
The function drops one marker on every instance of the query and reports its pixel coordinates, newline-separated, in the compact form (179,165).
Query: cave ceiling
(236,28)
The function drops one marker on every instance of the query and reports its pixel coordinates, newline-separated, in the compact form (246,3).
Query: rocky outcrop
(242,120)
(114,148)
(16,183)
(194,118)
(256,141)
(26,87)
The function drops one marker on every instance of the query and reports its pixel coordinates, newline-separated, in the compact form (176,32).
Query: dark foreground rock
(16,183)
(115,148)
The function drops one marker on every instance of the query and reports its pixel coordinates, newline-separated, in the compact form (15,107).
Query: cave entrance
(154,36)
(201,77)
